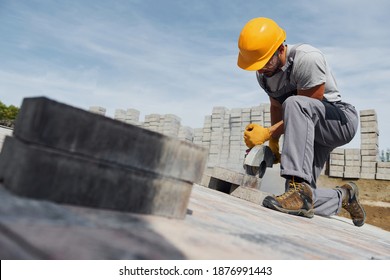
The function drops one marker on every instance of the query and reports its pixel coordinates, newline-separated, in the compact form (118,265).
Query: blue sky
(179,57)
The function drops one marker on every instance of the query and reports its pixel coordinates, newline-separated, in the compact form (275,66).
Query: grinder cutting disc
(257,160)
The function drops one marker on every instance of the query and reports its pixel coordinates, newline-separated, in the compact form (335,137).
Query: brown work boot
(298,200)
(352,205)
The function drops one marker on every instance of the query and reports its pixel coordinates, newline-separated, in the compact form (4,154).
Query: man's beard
(278,67)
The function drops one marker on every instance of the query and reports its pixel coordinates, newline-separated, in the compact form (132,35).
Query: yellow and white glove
(273,144)
(256,135)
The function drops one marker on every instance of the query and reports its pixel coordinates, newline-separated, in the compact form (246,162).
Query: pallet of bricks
(369,146)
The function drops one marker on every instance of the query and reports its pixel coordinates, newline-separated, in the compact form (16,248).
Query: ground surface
(374,195)
(217,226)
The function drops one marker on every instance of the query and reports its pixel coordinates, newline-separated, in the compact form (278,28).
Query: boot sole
(300,212)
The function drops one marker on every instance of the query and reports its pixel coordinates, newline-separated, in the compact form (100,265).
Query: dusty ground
(374,195)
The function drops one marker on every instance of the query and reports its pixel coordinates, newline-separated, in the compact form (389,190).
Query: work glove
(273,144)
(255,135)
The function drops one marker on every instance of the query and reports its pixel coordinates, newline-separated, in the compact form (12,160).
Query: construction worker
(306,107)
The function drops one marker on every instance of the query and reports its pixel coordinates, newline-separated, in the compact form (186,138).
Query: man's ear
(282,48)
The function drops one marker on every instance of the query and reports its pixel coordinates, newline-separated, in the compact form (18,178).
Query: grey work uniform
(312,128)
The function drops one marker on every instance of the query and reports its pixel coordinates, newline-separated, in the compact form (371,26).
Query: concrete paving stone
(382,176)
(338,151)
(97,110)
(369,146)
(219,110)
(382,170)
(352,169)
(364,175)
(334,162)
(368,118)
(351,175)
(48,174)
(370,158)
(337,168)
(371,124)
(370,164)
(369,130)
(52,124)
(364,143)
(370,152)
(353,163)
(352,157)
(351,152)
(369,135)
(371,170)
(119,114)
(334,156)
(339,174)
(369,112)
(383,164)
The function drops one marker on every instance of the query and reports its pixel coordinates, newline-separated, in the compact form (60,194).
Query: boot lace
(293,187)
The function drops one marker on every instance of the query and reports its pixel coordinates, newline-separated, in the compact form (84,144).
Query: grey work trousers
(310,134)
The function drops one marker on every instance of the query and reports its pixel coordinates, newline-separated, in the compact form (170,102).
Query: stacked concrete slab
(68,155)
(352,164)
(222,134)
(217,135)
(186,133)
(206,139)
(128,116)
(170,125)
(336,163)
(98,110)
(236,144)
(383,171)
(198,136)
(369,143)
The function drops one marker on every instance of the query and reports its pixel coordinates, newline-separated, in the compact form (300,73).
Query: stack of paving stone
(128,116)
(257,115)
(67,155)
(224,154)
(236,144)
(170,125)
(216,139)
(152,122)
(206,136)
(198,136)
(186,133)
(132,116)
(120,115)
(336,163)
(98,110)
(267,115)
(369,143)
(383,171)
(352,163)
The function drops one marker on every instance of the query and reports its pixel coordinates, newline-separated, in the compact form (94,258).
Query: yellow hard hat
(259,40)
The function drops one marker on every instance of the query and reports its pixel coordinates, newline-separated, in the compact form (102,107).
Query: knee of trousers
(294,102)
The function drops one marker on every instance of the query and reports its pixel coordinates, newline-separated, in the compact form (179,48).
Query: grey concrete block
(249,194)
(52,124)
(381,176)
(351,175)
(339,174)
(369,112)
(45,173)
(367,175)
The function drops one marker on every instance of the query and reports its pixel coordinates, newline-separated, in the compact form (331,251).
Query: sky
(180,57)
